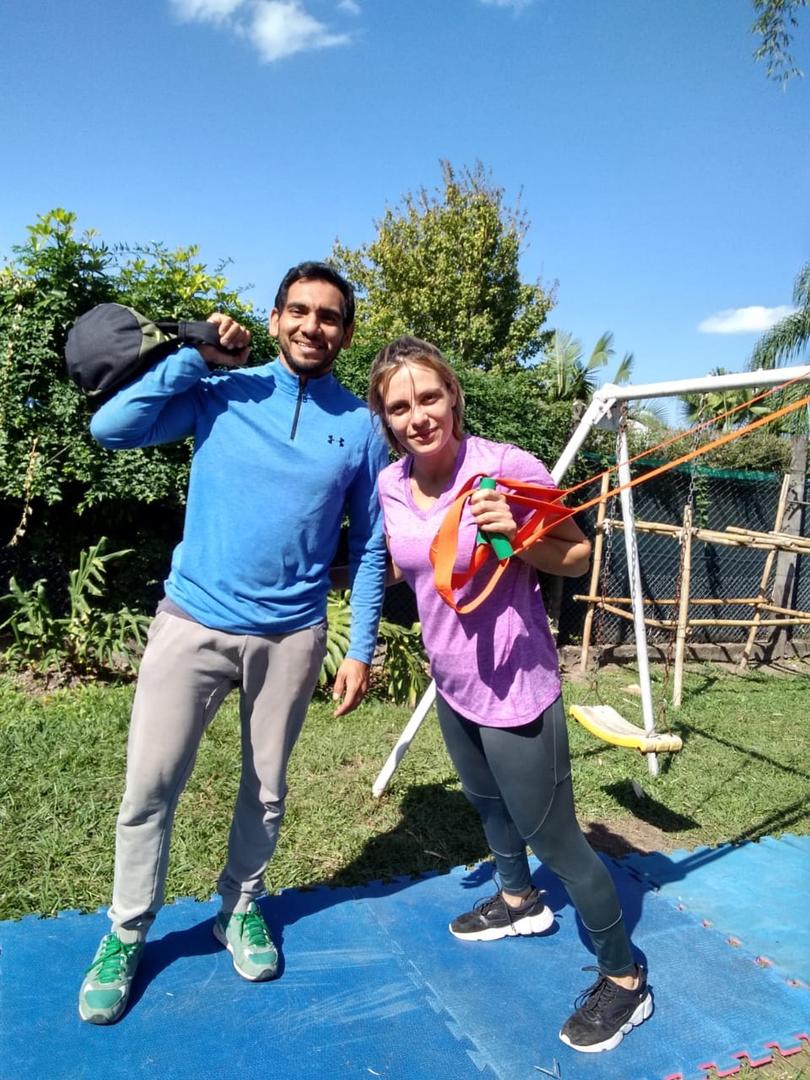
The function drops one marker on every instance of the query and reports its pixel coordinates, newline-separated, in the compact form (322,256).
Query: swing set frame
(604,411)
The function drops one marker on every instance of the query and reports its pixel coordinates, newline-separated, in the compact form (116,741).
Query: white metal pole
(732,381)
(596,411)
(404,741)
(634,575)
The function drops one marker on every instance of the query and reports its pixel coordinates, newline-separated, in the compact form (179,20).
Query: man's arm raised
(156,407)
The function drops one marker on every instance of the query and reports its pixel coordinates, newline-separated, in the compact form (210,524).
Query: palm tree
(785,342)
(698,407)
(787,339)
(568,377)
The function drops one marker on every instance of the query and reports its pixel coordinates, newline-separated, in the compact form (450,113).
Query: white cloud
(276,28)
(349,7)
(515,5)
(744,320)
(205,10)
(282,28)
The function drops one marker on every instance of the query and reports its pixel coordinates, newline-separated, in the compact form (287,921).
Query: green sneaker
(105,990)
(247,939)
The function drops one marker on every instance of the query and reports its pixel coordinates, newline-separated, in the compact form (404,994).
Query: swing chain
(690,502)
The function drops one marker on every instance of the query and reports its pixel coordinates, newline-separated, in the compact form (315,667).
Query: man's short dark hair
(317,271)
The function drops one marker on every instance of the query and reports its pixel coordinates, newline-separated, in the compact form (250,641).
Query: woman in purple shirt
(497,678)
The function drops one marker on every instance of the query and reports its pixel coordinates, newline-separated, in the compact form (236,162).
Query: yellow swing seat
(605,723)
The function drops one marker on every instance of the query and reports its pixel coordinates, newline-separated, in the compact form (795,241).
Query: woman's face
(419,410)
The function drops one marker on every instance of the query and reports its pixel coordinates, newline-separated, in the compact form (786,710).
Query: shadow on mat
(161,953)
(438,831)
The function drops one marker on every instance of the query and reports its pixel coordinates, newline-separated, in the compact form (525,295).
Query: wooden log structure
(731,537)
(792,617)
(596,571)
(707,601)
(765,612)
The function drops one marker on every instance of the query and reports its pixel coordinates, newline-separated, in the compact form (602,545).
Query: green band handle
(498,542)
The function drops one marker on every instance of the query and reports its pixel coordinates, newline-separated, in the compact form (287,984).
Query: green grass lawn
(742,774)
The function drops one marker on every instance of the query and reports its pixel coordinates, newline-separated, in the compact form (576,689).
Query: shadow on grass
(691,691)
(650,809)
(602,838)
(748,751)
(437,830)
(656,814)
(583,755)
(666,869)
(779,820)
(748,682)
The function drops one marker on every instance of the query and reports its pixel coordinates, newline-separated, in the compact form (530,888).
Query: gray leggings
(519,781)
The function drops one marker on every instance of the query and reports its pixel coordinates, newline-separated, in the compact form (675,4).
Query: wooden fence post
(784,584)
(683,607)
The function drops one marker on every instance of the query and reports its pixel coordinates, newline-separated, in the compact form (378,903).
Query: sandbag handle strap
(192,333)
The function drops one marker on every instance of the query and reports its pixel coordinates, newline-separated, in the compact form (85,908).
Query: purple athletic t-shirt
(496,665)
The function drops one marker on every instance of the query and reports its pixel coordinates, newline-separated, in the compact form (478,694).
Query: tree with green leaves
(52,278)
(784,343)
(444,266)
(46,452)
(59,490)
(566,376)
(776,20)
(513,408)
(713,404)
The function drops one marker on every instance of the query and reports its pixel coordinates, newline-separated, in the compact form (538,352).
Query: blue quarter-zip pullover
(277,459)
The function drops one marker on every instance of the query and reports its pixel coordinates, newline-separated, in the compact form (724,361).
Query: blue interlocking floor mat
(372,985)
(756,894)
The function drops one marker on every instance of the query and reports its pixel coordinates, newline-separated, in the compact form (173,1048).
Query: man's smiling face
(310,328)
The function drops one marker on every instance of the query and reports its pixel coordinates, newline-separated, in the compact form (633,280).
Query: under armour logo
(340,440)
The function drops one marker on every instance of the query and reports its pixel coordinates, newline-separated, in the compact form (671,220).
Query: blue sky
(667,181)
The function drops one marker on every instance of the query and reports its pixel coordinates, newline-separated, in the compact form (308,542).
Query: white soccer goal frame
(603,411)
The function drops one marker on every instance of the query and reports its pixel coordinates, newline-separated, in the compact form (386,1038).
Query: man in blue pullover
(281,452)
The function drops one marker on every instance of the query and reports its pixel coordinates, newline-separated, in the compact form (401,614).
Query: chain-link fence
(719,499)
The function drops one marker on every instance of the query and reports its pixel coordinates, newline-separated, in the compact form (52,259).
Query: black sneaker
(605,1013)
(492,918)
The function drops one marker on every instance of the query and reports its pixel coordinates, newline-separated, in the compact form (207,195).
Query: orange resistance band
(547,512)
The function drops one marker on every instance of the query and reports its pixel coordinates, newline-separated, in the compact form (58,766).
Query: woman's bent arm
(565,551)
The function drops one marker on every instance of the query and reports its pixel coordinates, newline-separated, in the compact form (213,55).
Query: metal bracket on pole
(607,415)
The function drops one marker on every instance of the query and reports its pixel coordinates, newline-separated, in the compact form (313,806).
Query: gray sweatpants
(186,672)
